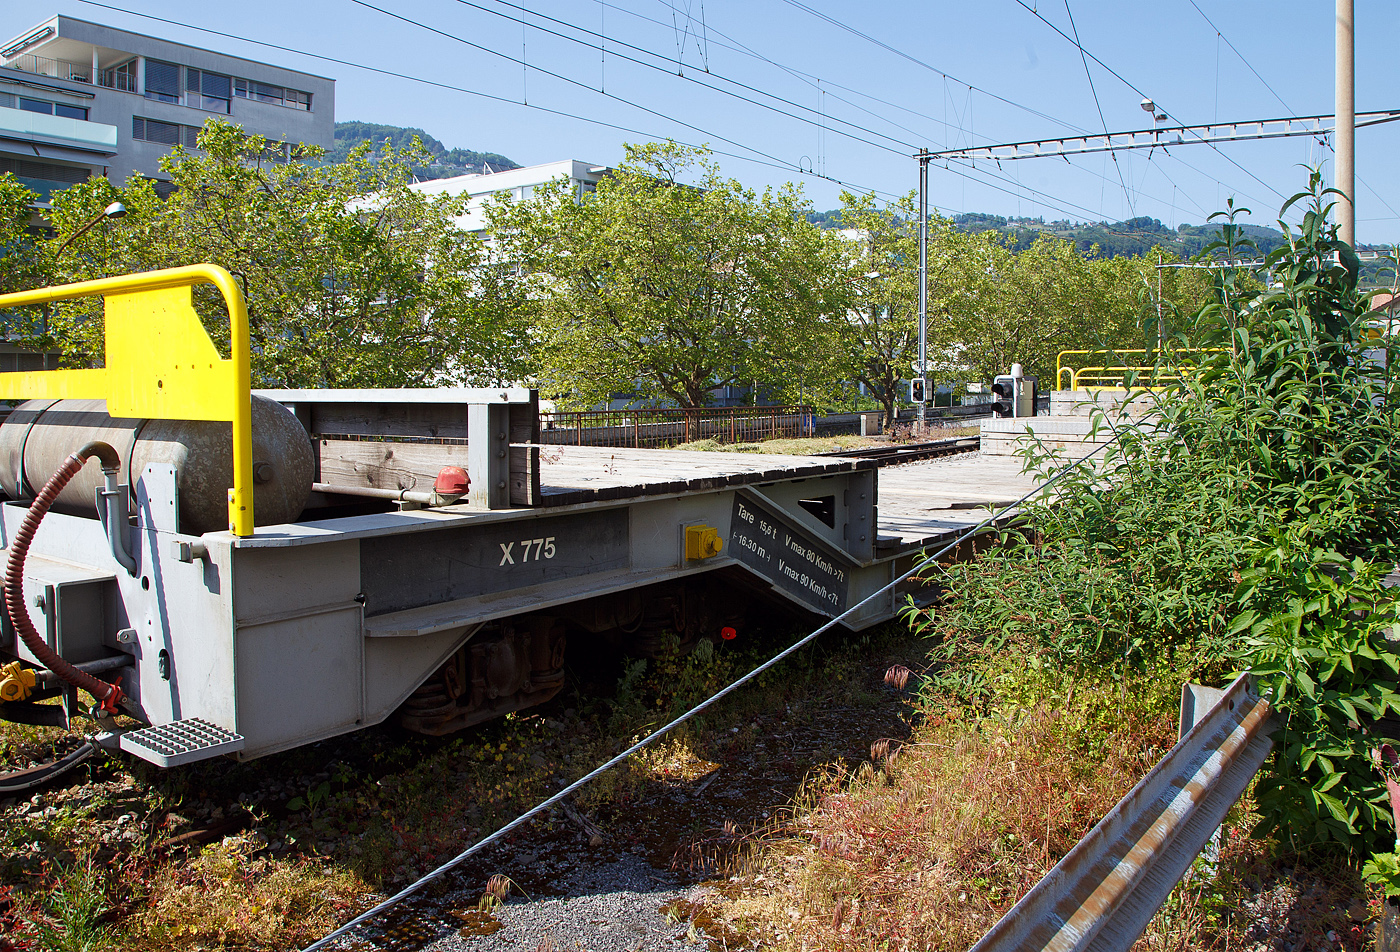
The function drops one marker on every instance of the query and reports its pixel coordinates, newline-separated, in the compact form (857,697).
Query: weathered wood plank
(525,460)
(381,464)
(385,464)
(525,476)
(431,420)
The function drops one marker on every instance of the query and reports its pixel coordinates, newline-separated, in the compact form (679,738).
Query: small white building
(519,183)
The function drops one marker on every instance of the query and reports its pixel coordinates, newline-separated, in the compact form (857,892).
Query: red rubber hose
(108,695)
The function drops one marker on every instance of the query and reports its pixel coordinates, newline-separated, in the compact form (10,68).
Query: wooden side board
(525,460)
(403,445)
(391,464)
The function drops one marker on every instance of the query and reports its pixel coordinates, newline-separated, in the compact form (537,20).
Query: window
(206,90)
(153,130)
(121,77)
(53,108)
(162,81)
(166,133)
(47,171)
(278,95)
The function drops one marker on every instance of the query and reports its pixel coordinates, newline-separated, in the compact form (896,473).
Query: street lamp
(114,210)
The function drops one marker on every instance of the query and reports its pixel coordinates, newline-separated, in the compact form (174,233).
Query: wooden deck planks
(575,474)
(938,497)
(917,501)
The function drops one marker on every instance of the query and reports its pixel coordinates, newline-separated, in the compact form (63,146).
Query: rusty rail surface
(669,427)
(1102,895)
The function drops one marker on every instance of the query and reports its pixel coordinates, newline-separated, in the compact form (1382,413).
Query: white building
(79,99)
(519,183)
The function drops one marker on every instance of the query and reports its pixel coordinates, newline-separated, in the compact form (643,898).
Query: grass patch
(73,916)
(229,897)
(812,445)
(796,446)
(925,845)
(324,825)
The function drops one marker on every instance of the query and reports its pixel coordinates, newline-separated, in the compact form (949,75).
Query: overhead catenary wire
(767,160)
(635,105)
(1083,57)
(918,566)
(1267,85)
(560,76)
(770,162)
(812,79)
(1126,82)
(1246,62)
(616,42)
(820,172)
(946,76)
(928,66)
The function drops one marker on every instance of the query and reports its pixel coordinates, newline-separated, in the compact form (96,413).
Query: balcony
(58,130)
(58,69)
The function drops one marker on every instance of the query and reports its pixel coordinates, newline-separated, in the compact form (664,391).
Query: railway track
(908,452)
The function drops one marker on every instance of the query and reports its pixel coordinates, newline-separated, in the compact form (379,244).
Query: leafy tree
(880,339)
(1001,306)
(669,290)
(989,305)
(351,277)
(23,263)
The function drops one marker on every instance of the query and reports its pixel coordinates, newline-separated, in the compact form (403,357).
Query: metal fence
(1119,372)
(660,428)
(45,66)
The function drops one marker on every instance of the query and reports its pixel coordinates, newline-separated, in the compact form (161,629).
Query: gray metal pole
(1161,331)
(923,275)
(1346,123)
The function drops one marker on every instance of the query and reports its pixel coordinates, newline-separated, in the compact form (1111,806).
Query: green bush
(1325,662)
(1249,523)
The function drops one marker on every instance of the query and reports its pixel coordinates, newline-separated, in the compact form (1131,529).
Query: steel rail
(903,453)
(544,805)
(1105,891)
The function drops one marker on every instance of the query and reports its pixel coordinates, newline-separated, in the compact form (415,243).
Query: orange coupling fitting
(702,542)
(16,682)
(112,702)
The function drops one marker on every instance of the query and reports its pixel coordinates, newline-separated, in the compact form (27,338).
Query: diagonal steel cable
(583,781)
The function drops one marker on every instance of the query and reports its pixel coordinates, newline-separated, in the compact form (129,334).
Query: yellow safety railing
(1116,377)
(159,362)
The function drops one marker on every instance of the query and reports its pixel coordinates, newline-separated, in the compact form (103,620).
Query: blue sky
(856,108)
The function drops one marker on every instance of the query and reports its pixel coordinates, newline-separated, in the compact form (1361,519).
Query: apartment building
(79,99)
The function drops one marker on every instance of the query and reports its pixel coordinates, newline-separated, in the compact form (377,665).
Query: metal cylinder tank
(38,435)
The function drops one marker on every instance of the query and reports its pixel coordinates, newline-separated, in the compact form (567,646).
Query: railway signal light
(917,391)
(1004,397)
(1014,394)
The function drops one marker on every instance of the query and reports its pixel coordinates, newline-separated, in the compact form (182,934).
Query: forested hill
(1135,236)
(446,162)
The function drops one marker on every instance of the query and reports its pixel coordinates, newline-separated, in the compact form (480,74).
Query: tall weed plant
(1244,522)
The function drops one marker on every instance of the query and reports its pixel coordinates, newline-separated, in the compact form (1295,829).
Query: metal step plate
(181,742)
